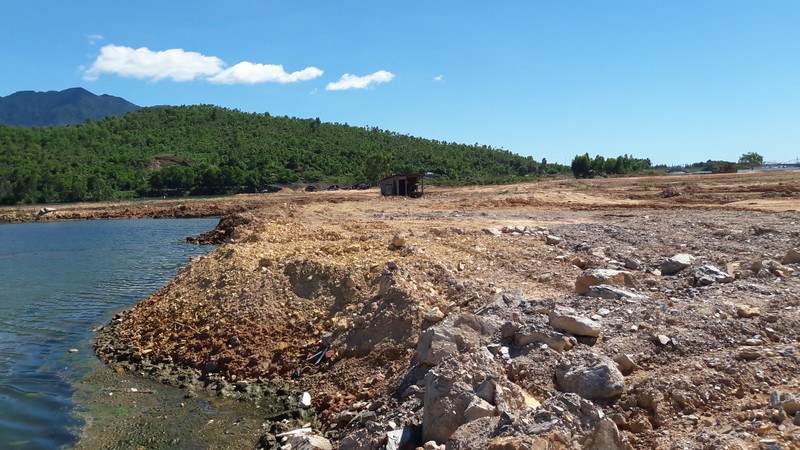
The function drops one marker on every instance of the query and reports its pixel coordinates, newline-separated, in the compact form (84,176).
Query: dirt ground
(333,291)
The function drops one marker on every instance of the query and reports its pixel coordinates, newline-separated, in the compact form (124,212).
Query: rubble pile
(448,329)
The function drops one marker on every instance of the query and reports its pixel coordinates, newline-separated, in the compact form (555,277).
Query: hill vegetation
(58,108)
(204,150)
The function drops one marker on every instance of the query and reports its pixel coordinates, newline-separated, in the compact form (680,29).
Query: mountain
(58,108)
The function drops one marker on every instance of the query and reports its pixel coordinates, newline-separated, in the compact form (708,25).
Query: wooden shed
(407,185)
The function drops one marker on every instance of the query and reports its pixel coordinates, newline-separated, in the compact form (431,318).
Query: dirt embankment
(477,317)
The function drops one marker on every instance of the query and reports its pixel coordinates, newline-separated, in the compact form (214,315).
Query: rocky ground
(658,312)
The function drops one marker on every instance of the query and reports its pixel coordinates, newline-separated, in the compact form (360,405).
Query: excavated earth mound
(482,319)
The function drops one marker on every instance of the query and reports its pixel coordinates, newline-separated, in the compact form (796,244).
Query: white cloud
(250,73)
(143,63)
(94,38)
(349,81)
(438,78)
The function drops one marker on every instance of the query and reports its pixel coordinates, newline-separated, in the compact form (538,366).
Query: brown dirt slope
(333,291)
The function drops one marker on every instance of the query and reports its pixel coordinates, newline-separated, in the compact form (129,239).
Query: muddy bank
(271,406)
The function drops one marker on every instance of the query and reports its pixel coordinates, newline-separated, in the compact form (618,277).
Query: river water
(59,281)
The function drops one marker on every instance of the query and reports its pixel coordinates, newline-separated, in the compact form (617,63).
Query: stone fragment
(791,257)
(749,354)
(545,277)
(434,315)
(399,241)
(399,439)
(445,402)
(44,211)
(478,408)
(625,363)
(492,231)
(553,240)
(508,330)
(708,274)
(662,339)
(591,376)
(789,402)
(455,333)
(676,263)
(747,312)
(432,445)
(612,292)
(553,339)
(602,276)
(518,443)
(605,436)
(797,419)
(569,321)
(305,400)
(579,262)
(778,269)
(633,264)
(434,344)
(310,442)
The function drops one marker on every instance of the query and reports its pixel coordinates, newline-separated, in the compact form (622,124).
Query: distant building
(406,185)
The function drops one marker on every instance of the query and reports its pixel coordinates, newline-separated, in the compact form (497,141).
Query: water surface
(59,281)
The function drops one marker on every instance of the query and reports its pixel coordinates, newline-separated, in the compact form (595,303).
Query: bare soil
(309,287)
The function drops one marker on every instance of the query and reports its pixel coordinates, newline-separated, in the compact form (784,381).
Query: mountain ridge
(70,106)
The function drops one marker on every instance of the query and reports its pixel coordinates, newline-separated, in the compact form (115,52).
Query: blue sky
(676,81)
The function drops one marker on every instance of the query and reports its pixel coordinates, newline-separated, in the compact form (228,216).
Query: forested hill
(211,150)
(57,108)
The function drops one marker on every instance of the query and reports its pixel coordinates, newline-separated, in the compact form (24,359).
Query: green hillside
(211,150)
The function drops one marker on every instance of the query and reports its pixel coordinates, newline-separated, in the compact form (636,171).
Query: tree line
(204,149)
(585,167)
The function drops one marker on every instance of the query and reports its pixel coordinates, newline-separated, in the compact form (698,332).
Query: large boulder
(602,276)
(592,376)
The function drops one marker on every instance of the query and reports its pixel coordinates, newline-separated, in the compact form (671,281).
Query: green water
(59,281)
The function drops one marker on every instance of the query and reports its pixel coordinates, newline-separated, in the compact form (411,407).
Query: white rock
(571,322)
(492,231)
(612,292)
(305,400)
(676,263)
(553,240)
